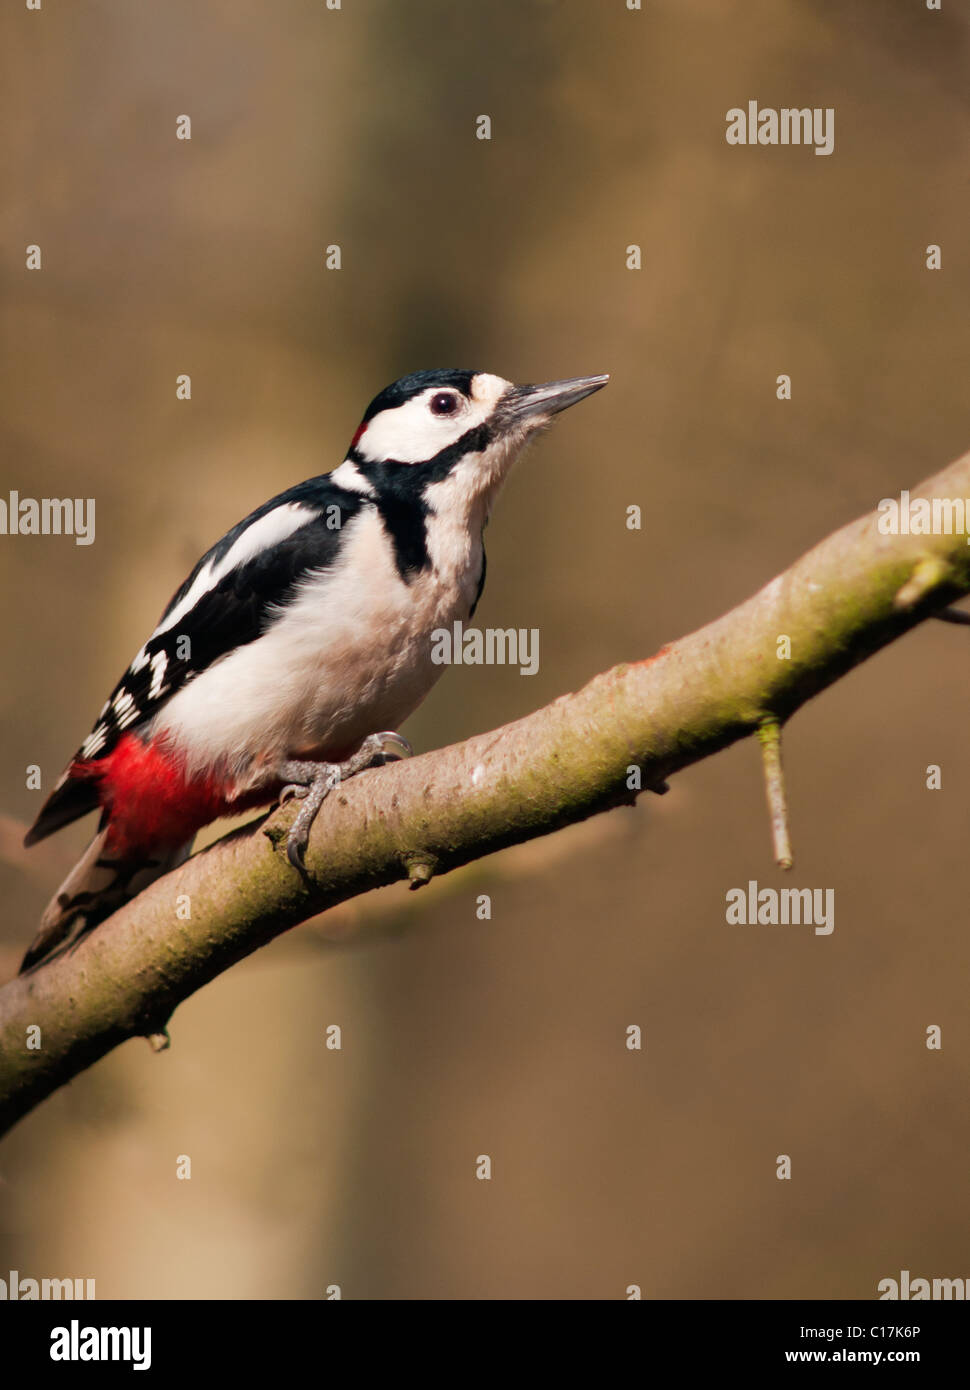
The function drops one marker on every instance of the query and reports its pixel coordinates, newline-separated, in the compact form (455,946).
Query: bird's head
(462,426)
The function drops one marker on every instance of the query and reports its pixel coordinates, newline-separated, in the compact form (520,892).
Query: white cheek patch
(410,433)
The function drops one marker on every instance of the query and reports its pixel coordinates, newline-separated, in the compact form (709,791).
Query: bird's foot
(313,782)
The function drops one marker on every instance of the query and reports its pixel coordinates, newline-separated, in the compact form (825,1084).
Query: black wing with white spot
(227,602)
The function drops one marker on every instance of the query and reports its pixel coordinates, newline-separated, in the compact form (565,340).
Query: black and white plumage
(302,633)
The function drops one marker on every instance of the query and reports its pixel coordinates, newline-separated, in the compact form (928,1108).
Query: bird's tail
(97,886)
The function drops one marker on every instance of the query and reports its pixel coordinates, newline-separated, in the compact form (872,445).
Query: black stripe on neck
(399,496)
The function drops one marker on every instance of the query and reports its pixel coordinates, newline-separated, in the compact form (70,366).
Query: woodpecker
(299,642)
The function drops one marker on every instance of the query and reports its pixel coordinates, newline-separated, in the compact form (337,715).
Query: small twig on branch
(769,736)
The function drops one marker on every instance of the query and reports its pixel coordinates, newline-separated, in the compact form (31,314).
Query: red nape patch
(150,801)
(356,439)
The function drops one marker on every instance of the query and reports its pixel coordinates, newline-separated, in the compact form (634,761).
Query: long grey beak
(524,402)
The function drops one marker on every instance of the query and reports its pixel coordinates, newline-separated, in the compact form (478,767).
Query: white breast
(349,657)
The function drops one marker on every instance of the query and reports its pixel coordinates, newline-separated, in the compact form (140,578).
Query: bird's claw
(323,778)
(295,850)
(292,789)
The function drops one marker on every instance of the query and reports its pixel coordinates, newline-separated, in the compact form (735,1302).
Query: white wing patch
(95,741)
(263,534)
(159,665)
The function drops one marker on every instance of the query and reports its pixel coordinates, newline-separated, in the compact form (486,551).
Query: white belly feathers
(351,656)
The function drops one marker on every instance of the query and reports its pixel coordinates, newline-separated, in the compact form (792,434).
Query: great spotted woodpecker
(297,640)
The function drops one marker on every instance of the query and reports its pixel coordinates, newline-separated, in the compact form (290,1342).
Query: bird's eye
(444,403)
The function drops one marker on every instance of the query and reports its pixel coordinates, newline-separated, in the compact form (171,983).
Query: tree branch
(854,593)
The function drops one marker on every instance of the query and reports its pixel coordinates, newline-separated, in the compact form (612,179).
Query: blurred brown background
(310,127)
